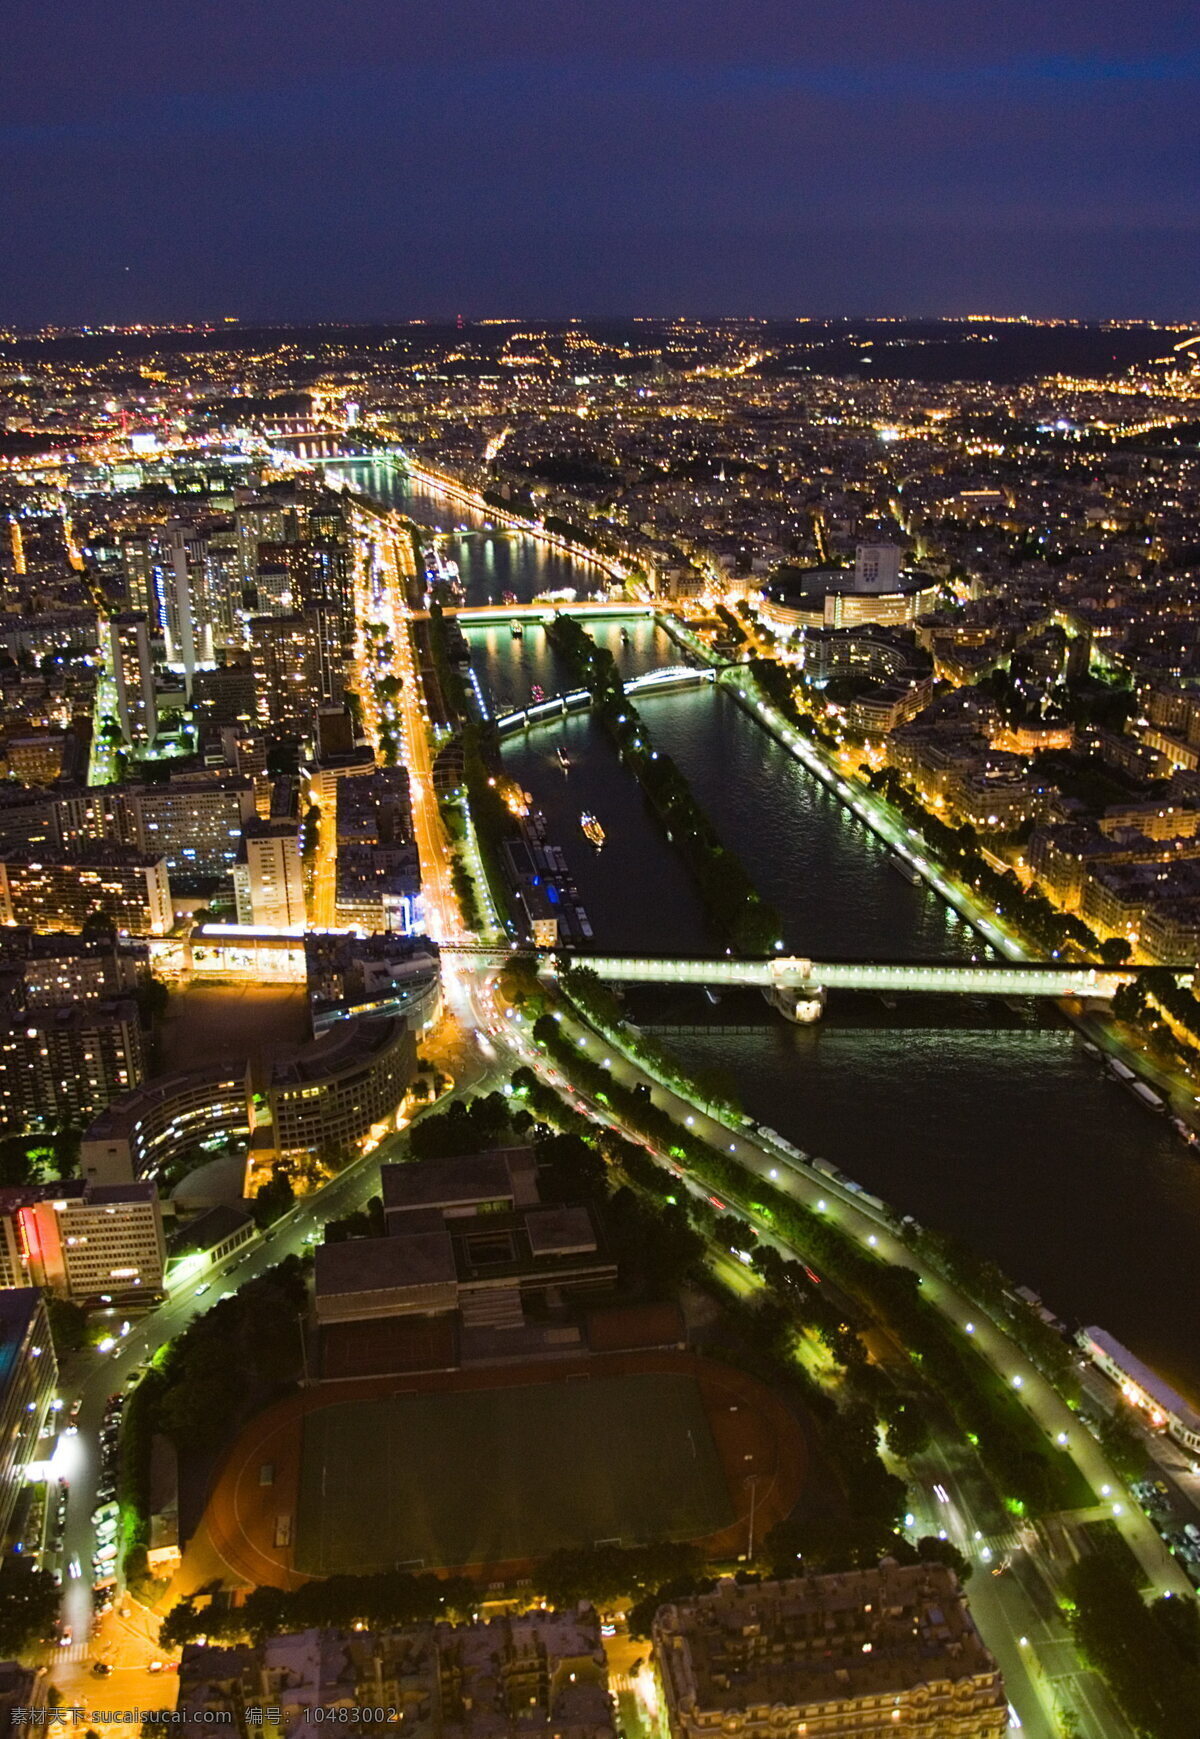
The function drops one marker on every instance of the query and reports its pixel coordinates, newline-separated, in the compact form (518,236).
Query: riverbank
(1010,1135)
(456,490)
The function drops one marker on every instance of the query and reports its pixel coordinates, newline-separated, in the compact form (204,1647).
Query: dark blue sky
(359,159)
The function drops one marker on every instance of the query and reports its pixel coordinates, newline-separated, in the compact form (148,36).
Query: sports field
(484,1476)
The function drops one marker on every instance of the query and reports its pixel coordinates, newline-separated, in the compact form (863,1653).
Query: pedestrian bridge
(543,711)
(798,986)
(791,973)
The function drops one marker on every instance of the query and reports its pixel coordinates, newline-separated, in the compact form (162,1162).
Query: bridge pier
(801,1003)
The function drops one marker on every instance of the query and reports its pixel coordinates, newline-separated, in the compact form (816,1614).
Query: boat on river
(905,868)
(564,760)
(592,829)
(439,571)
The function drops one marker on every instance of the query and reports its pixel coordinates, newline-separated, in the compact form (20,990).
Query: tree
(464,1127)
(273,1199)
(1114,950)
(1124,1444)
(28,1604)
(1149,1665)
(68,1325)
(907,1431)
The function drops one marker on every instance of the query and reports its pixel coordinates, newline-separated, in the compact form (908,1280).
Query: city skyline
(600,869)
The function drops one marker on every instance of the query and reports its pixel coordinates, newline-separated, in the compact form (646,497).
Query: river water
(491,561)
(979,1119)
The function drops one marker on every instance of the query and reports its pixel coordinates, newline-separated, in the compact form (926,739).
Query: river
(491,561)
(979,1119)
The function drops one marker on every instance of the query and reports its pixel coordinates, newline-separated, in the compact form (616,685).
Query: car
(155,1667)
(74,1568)
(66,1636)
(101,1669)
(201,1290)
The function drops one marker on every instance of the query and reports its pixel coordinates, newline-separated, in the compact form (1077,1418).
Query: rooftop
(384,1264)
(818,1639)
(462,1180)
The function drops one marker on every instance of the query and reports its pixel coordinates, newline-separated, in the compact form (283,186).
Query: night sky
(375,159)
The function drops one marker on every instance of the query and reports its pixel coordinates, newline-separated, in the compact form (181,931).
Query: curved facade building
(846,598)
(141,1132)
(329,1097)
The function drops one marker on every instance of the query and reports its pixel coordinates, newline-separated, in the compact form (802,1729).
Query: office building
(268,878)
(137,555)
(56,970)
(28,820)
(144,1131)
(129,888)
(91,816)
(335,736)
(273,595)
(83,1241)
(28,1379)
(194,823)
(282,586)
(60,1066)
(331,566)
(258,522)
(378,879)
(286,661)
(330,1096)
(185,597)
(326,624)
(225,694)
(892,1650)
(223,579)
(132,666)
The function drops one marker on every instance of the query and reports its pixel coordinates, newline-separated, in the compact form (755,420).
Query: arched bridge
(543,711)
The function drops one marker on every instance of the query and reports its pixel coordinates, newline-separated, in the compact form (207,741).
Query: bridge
(558,705)
(798,986)
(544,610)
